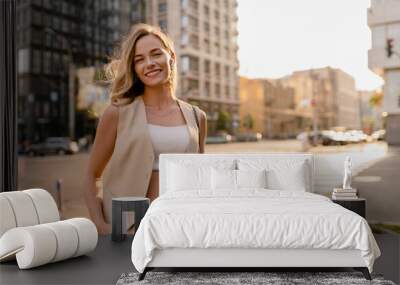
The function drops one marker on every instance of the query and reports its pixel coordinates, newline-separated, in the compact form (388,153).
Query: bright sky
(277,37)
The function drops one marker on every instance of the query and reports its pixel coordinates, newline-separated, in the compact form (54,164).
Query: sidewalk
(380,185)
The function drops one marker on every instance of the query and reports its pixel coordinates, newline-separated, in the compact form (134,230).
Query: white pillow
(183,177)
(228,179)
(193,174)
(294,179)
(251,178)
(282,174)
(223,179)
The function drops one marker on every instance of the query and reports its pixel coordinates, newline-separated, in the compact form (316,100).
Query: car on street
(219,138)
(53,145)
(249,137)
(355,136)
(338,137)
(325,137)
(379,135)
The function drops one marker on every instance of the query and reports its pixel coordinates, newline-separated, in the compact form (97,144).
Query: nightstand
(356,205)
(138,205)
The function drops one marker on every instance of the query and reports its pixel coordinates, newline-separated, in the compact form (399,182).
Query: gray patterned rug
(230,278)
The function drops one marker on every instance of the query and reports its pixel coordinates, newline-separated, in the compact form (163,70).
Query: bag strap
(195,116)
(197,122)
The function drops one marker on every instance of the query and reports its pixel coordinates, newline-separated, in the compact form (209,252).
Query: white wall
(391,99)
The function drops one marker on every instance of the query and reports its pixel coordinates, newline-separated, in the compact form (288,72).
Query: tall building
(54,38)
(205,37)
(282,120)
(251,92)
(328,95)
(384,60)
(271,107)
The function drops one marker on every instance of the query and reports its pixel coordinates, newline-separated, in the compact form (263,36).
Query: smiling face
(152,61)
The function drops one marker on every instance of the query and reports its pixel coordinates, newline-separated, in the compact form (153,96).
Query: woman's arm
(101,152)
(203,130)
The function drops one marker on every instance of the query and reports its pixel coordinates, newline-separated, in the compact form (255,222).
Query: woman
(143,120)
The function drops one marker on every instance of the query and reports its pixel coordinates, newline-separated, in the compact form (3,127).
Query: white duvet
(250,219)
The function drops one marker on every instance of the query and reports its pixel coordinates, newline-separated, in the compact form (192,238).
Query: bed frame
(241,259)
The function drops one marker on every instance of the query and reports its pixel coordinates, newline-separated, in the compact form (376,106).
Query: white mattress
(253,218)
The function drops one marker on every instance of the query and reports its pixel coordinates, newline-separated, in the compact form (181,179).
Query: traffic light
(389,47)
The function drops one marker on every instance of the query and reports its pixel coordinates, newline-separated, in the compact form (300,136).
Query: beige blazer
(129,169)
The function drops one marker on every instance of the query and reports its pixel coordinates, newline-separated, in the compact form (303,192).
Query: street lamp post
(314,78)
(71,100)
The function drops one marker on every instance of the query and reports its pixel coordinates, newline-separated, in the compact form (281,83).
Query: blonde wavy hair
(125,85)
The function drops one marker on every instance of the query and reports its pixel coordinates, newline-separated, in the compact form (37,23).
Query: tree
(248,122)
(376,99)
(223,121)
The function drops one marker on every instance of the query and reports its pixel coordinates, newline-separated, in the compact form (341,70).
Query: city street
(43,172)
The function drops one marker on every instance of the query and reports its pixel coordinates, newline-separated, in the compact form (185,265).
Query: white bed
(197,224)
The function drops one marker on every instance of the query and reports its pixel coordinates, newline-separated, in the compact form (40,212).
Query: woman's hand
(104,229)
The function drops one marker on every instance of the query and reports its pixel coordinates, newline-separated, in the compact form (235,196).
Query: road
(43,172)
(379,184)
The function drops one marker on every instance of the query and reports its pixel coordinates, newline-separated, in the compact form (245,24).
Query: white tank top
(165,139)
